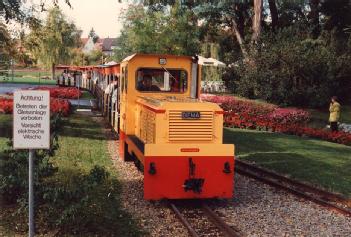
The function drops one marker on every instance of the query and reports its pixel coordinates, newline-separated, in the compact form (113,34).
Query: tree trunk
(274,13)
(256,21)
(314,17)
(239,38)
(53,71)
(240,21)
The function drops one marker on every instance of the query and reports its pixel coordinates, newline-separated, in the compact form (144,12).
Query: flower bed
(62,106)
(251,115)
(57,92)
(6,105)
(62,92)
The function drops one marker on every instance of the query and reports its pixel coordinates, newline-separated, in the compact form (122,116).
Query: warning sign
(31,119)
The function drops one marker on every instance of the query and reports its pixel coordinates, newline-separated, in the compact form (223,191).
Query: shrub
(14,167)
(291,69)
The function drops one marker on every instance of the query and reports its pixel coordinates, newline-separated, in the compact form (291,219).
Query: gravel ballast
(257,209)
(261,210)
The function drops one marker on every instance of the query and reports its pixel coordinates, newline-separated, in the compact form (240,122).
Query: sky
(102,15)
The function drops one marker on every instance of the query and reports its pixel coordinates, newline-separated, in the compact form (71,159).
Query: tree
(52,43)
(274,13)
(314,17)
(256,21)
(17,11)
(6,43)
(168,31)
(93,35)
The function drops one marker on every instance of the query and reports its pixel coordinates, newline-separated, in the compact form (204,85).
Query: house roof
(107,43)
(84,40)
(103,44)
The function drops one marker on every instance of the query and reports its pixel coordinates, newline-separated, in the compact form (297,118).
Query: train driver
(146,84)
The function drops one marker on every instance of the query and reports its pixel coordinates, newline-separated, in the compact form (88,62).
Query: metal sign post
(31,130)
(31,193)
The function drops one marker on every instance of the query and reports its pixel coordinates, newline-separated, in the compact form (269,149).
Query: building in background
(106,45)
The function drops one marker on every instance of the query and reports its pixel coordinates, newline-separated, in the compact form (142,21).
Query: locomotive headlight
(162,61)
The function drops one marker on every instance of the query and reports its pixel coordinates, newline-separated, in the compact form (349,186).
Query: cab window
(161,80)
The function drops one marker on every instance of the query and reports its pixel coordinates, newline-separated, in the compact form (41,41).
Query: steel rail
(224,227)
(212,217)
(296,192)
(187,225)
(308,188)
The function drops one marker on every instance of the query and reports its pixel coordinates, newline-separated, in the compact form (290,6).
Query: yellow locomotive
(174,138)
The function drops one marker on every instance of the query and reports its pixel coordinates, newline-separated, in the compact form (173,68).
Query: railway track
(323,198)
(200,220)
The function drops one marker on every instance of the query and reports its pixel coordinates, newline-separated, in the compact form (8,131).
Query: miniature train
(175,139)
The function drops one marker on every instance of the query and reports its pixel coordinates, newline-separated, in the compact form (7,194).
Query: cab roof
(129,58)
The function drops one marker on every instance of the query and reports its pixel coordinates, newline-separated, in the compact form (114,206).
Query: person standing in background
(334,109)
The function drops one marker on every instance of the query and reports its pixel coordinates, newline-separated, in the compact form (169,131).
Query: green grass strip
(27,80)
(323,164)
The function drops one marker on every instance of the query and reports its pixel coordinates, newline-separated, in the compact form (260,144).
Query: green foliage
(14,167)
(93,35)
(87,204)
(16,10)
(53,42)
(94,57)
(7,49)
(80,196)
(163,31)
(77,57)
(292,69)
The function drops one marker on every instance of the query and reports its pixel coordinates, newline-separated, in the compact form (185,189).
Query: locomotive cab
(174,138)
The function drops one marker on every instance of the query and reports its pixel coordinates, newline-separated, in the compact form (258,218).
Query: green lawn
(82,146)
(31,73)
(86,95)
(321,163)
(28,80)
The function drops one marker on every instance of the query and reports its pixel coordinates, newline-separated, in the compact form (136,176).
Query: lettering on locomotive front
(191,115)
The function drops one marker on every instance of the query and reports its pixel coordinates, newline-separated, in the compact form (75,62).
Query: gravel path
(261,210)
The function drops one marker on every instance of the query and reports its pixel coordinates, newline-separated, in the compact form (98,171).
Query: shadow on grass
(83,133)
(250,141)
(6,132)
(82,129)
